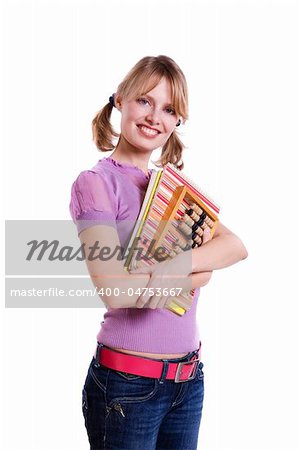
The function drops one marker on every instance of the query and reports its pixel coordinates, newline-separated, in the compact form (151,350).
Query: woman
(145,384)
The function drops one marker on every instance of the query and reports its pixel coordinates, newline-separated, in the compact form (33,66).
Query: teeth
(148,130)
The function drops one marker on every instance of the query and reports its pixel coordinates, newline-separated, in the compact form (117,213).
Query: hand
(169,274)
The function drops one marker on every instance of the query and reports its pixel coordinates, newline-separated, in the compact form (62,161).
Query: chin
(144,147)
(143,144)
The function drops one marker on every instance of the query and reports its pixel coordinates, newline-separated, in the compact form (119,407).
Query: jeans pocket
(128,376)
(99,374)
(129,388)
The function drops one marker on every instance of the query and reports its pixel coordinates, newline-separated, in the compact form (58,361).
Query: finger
(142,300)
(162,302)
(154,301)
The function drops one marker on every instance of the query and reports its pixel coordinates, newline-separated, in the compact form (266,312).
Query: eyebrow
(149,96)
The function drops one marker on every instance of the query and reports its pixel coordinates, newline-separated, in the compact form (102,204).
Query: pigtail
(102,131)
(172,152)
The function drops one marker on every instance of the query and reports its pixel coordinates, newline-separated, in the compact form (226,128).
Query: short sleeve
(93,201)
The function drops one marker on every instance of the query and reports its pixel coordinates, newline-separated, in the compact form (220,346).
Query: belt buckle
(179,370)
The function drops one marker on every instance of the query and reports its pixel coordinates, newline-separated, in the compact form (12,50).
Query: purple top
(115,191)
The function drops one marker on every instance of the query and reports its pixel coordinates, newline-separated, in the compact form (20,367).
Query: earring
(179,123)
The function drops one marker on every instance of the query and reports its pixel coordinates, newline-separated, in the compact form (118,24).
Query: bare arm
(225,249)
(200,279)
(106,269)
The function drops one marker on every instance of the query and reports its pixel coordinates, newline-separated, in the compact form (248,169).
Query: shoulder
(88,178)
(92,190)
(94,179)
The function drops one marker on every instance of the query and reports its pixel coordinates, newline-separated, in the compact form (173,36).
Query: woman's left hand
(170,274)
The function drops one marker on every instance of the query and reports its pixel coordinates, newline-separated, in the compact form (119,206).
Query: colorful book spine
(173,216)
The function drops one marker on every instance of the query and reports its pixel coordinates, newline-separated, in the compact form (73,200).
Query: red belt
(146,367)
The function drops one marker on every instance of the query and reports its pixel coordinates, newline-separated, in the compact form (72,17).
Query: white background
(60,62)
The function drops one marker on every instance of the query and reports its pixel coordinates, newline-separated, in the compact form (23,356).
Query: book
(174,213)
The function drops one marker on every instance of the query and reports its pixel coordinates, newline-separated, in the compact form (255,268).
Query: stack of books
(173,216)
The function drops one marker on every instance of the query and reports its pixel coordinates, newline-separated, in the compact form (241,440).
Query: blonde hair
(142,78)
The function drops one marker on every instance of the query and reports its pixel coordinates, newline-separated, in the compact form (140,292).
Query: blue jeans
(129,412)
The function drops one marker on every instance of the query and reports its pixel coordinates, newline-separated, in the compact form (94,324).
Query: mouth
(148,131)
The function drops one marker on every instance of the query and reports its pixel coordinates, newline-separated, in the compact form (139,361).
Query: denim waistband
(183,358)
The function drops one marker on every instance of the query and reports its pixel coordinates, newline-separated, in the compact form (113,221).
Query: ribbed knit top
(114,192)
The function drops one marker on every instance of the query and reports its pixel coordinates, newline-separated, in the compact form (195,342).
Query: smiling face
(148,120)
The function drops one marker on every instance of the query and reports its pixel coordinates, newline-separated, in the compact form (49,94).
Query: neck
(126,153)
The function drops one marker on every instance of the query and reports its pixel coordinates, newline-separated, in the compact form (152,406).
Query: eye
(142,101)
(170,110)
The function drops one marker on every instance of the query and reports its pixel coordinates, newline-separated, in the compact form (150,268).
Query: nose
(153,117)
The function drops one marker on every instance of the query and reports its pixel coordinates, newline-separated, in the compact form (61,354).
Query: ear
(117,102)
